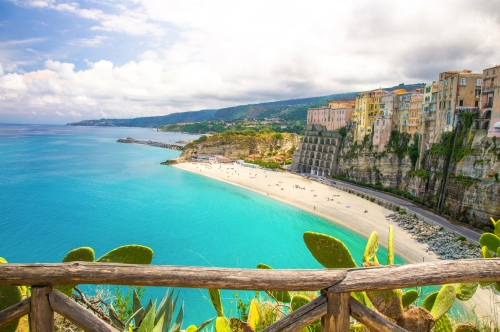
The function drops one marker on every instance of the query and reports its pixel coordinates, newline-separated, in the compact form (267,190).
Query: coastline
(337,206)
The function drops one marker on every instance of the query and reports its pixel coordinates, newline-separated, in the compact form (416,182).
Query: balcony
(430,118)
(412,125)
(488,105)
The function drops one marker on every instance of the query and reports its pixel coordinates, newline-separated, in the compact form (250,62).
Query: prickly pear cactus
(466,328)
(254,314)
(9,295)
(496,226)
(221,325)
(363,298)
(466,290)
(443,324)
(129,254)
(371,247)
(329,251)
(409,297)
(191,328)
(417,320)
(298,301)
(82,254)
(388,302)
(390,247)
(280,296)
(444,301)
(490,240)
(358,328)
(429,300)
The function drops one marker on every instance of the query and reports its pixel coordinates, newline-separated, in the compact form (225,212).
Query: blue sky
(65,61)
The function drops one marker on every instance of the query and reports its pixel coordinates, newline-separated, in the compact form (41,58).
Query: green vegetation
(264,164)
(398,143)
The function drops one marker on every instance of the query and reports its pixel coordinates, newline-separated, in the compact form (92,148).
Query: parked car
(321,179)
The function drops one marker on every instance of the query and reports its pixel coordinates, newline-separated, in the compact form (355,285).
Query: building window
(494,71)
(478,93)
(452,80)
(446,82)
(476,103)
(463,81)
(451,92)
(461,103)
(487,72)
(478,82)
(440,83)
(448,118)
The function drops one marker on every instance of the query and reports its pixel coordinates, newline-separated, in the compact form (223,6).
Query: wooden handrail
(335,280)
(334,307)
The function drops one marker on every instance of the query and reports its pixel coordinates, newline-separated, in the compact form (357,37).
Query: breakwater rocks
(151,143)
(442,242)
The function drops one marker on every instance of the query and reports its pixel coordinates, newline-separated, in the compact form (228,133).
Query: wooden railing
(334,306)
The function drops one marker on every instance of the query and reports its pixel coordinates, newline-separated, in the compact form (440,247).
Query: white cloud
(223,53)
(94,41)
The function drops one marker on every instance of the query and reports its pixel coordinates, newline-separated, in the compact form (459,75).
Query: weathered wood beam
(14,312)
(173,276)
(42,316)
(372,319)
(423,274)
(302,317)
(77,314)
(337,313)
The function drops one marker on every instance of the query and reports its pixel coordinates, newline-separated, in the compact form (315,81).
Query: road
(466,232)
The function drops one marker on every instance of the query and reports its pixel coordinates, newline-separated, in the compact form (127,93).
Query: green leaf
(9,296)
(363,298)
(82,254)
(114,318)
(443,324)
(221,325)
(428,302)
(298,301)
(138,309)
(371,247)
(490,240)
(466,290)
(166,308)
(216,301)
(390,247)
(178,321)
(129,254)
(148,323)
(409,297)
(2,260)
(191,328)
(444,301)
(204,324)
(328,251)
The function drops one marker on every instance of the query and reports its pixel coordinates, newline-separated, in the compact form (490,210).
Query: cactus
(390,247)
(191,328)
(216,301)
(443,324)
(409,297)
(496,226)
(465,328)
(417,320)
(254,314)
(358,328)
(444,301)
(221,325)
(82,254)
(388,302)
(328,251)
(9,296)
(280,296)
(299,301)
(363,299)
(428,302)
(371,247)
(490,240)
(129,254)
(466,290)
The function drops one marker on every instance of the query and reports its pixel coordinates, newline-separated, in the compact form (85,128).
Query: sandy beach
(350,211)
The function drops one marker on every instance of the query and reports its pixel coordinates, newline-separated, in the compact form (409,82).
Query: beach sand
(344,209)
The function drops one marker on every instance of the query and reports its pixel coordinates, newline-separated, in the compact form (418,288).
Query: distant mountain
(293,109)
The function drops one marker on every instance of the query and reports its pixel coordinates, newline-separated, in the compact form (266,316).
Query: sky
(67,61)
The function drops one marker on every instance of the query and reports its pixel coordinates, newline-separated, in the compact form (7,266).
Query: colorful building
(490,101)
(337,115)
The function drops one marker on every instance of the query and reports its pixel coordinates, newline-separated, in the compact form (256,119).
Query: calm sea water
(65,187)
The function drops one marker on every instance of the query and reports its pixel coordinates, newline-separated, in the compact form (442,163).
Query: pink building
(490,101)
(334,116)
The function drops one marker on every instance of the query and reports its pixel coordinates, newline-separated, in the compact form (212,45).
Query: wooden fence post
(42,316)
(337,313)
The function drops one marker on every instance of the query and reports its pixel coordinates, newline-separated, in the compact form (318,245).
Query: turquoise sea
(63,187)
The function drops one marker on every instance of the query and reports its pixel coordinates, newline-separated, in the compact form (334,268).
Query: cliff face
(237,146)
(472,190)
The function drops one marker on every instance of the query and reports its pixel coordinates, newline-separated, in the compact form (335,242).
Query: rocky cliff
(470,189)
(240,145)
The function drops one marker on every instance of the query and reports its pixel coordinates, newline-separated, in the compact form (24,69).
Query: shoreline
(336,206)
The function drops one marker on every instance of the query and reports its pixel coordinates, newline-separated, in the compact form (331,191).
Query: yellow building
(367,108)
